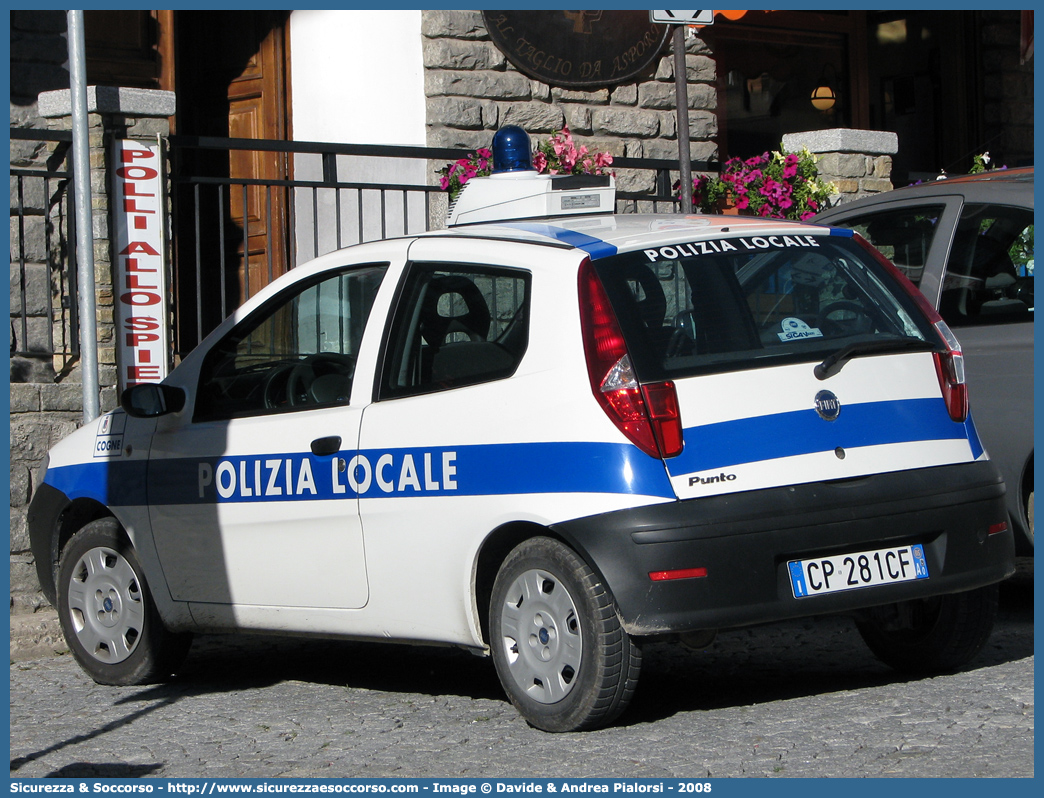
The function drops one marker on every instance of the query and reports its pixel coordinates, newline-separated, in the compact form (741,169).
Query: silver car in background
(967,243)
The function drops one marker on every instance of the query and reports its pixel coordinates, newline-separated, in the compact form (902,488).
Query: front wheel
(107,612)
(933,635)
(560,652)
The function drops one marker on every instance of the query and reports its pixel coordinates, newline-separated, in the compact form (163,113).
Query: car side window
(904,236)
(296,352)
(989,273)
(455,325)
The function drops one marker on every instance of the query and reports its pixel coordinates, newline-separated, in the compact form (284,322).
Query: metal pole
(84,227)
(681,100)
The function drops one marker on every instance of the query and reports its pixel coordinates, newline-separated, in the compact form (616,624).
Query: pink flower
(774,191)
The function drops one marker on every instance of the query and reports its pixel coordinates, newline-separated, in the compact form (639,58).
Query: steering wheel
(863,321)
(298,382)
(288,384)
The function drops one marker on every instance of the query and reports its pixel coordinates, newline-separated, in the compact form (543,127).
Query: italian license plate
(821,575)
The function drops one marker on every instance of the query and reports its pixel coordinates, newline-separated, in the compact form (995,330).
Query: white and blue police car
(547,434)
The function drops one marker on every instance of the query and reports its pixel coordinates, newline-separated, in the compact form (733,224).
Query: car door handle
(324,446)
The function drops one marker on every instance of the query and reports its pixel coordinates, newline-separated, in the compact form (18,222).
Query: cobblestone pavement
(801,699)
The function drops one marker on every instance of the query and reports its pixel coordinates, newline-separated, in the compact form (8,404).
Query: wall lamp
(824,96)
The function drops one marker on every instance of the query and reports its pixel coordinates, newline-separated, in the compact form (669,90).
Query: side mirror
(152,399)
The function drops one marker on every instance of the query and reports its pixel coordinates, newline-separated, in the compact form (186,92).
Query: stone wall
(113,113)
(41,415)
(42,412)
(47,404)
(38,55)
(857,162)
(38,210)
(472,90)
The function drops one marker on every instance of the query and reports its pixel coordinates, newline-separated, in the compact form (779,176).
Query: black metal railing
(44,324)
(318,198)
(233,235)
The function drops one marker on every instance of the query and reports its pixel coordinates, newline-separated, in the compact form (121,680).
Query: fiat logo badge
(827,405)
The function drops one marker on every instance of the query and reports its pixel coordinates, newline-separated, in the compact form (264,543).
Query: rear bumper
(745,540)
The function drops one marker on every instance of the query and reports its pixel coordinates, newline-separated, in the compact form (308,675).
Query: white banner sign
(140,290)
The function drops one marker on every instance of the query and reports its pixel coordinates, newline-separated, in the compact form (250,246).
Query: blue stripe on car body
(748,440)
(503,469)
(477,470)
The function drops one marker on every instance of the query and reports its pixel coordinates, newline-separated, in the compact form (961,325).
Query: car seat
(455,323)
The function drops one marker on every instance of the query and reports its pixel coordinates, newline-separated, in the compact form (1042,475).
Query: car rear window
(741,302)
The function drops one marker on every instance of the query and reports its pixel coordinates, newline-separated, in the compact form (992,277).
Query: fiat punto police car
(546,440)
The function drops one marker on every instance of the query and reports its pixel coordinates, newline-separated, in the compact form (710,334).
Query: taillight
(661,402)
(647,414)
(949,365)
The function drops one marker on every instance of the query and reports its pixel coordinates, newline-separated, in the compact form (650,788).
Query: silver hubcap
(106,605)
(541,636)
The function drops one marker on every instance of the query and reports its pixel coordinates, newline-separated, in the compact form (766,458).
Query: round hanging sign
(577,49)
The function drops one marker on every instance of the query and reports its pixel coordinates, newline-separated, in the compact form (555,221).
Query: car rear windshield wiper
(836,361)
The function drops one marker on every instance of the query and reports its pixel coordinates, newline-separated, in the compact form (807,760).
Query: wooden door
(256,110)
(230,75)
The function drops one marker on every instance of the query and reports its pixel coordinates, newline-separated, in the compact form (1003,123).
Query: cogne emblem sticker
(827,405)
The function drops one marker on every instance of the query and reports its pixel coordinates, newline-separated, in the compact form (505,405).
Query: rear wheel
(560,652)
(933,635)
(107,613)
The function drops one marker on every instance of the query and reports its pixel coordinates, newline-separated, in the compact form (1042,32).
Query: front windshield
(739,302)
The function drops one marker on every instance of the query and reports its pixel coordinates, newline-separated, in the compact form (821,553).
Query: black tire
(107,612)
(935,635)
(578,668)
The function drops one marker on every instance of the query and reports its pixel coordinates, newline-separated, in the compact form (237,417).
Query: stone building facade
(472,90)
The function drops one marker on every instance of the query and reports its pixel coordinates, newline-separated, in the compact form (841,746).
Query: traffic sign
(682,17)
